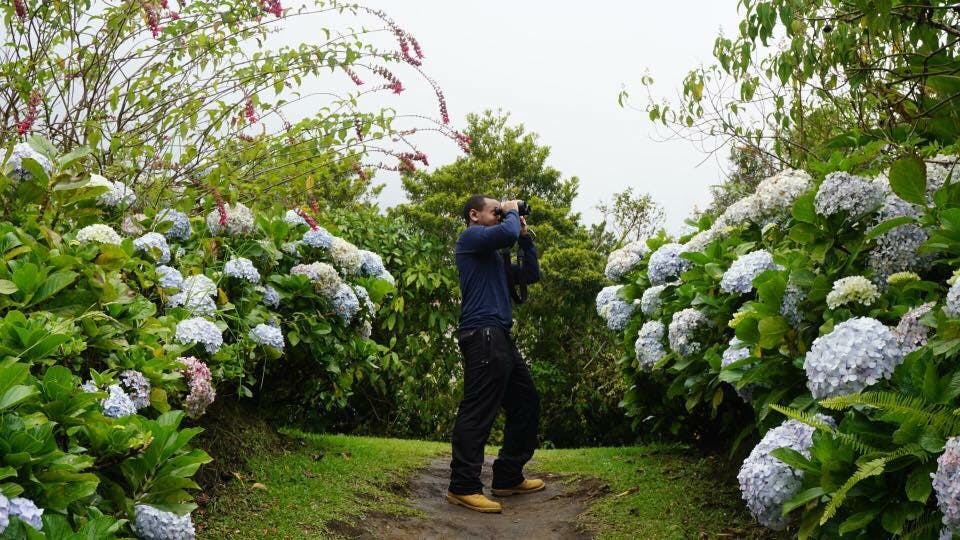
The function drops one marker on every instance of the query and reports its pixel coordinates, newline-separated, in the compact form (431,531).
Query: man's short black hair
(476,202)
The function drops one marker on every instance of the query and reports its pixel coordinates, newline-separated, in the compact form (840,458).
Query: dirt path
(550,513)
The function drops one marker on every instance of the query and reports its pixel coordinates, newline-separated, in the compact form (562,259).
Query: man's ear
(474,215)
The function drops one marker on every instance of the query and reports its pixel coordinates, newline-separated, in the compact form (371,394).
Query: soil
(550,513)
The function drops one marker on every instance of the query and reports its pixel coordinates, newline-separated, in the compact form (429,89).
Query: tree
(631,218)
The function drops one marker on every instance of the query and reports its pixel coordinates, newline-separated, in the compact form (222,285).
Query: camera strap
(515,282)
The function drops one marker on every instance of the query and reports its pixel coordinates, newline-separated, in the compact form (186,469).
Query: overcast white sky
(557,67)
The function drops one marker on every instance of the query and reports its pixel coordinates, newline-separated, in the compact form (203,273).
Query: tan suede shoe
(475,502)
(527,486)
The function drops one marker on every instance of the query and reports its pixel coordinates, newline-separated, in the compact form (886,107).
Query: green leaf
(16,395)
(802,498)
(772,330)
(908,179)
(7,287)
(919,485)
(858,521)
(795,459)
(803,209)
(889,225)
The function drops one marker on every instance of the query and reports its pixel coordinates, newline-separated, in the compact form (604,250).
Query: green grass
(318,485)
(655,492)
(318,480)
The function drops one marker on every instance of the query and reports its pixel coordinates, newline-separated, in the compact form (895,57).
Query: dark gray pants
(494,375)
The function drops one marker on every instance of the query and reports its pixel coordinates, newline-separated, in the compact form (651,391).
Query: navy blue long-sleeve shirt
(483,279)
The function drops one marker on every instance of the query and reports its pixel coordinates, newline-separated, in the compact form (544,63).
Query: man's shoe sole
(509,492)
(457,501)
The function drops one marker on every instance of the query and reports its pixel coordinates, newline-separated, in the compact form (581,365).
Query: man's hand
(506,206)
(523,226)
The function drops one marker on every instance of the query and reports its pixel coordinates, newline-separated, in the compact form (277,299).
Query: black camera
(522,208)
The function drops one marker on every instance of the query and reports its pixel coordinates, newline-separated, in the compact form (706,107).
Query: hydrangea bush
(852,334)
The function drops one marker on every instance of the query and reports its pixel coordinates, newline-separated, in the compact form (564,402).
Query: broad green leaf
(908,179)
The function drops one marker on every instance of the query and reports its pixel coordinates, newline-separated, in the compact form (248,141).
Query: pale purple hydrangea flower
(4,512)
(649,344)
(790,303)
(202,331)
(946,483)
(843,192)
(137,387)
(858,353)
(27,511)
(952,306)
(318,238)
(118,193)
(650,300)
(766,483)
(271,298)
(168,277)
(155,245)
(241,268)
(345,302)
(739,277)
(264,334)
(737,350)
(154,524)
(684,330)
(199,381)
(911,334)
(665,264)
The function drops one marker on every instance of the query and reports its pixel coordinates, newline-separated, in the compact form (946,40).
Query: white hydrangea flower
(684,330)
(239,220)
(702,239)
(939,169)
(27,511)
(858,353)
(168,277)
(179,224)
(364,299)
(264,334)
(765,481)
(199,285)
(743,211)
(292,217)
(852,289)
(321,273)
(775,195)
(130,225)
(155,245)
(911,334)
(99,233)
(790,303)
(666,264)
(346,256)
(202,331)
(117,403)
(650,300)
(649,344)
(154,524)
(196,295)
(4,512)
(737,350)
(622,261)
(241,268)
(843,192)
(291,248)
(366,329)
(739,277)
(318,238)
(23,151)
(118,193)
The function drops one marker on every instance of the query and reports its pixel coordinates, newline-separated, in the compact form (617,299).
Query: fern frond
(809,419)
(944,419)
(925,526)
(864,471)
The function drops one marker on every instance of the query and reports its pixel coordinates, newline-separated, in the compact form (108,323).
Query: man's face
(488,215)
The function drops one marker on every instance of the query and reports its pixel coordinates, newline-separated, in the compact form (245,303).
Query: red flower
(308,218)
(24,125)
(20,8)
(153,18)
(249,112)
(416,46)
(164,4)
(463,141)
(221,207)
(406,164)
(175,15)
(396,87)
(272,6)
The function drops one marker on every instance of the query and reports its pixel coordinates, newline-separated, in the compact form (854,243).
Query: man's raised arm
(480,239)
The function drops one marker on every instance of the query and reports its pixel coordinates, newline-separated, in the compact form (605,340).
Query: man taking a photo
(494,373)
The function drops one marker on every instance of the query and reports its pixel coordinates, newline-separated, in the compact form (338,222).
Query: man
(494,373)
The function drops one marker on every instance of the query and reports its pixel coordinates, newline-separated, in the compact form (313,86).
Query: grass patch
(655,492)
(317,487)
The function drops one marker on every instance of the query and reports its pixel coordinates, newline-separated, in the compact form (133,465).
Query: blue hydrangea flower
(137,387)
(683,332)
(843,192)
(737,350)
(952,306)
(27,511)
(202,331)
(154,524)
(790,303)
(155,245)
(649,344)
(345,302)
(858,353)
(118,193)
(364,298)
(372,264)
(665,264)
(739,277)
(242,268)
(179,224)
(117,403)
(606,295)
(4,512)
(650,300)
(168,277)
(23,151)
(620,262)
(264,334)
(946,483)
(613,309)
(318,238)
(271,298)
(765,481)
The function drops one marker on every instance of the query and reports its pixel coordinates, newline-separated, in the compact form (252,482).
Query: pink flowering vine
(20,8)
(358,126)
(152,15)
(308,218)
(249,112)
(221,207)
(463,141)
(272,6)
(353,76)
